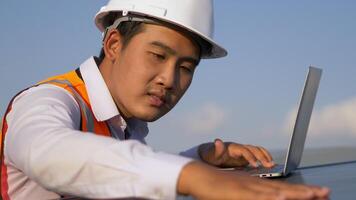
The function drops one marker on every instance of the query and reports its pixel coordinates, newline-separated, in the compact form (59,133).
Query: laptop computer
(296,145)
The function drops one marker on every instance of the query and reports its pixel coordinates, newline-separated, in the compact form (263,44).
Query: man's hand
(234,155)
(205,182)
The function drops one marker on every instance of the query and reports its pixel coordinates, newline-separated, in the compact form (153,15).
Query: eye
(158,56)
(187,69)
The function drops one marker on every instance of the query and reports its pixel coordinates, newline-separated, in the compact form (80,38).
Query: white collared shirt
(47,155)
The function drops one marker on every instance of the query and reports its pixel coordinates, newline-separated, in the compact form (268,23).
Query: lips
(157,99)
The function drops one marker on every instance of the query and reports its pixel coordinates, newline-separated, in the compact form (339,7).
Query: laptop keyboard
(262,170)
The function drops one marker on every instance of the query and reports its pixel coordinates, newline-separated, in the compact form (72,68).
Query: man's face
(151,74)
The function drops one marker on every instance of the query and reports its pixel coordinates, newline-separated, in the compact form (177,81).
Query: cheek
(128,70)
(134,79)
(184,85)
(124,82)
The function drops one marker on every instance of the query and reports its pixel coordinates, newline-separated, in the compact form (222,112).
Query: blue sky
(247,97)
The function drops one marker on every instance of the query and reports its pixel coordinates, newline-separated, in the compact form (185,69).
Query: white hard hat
(195,16)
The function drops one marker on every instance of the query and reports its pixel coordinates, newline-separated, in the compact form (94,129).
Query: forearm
(86,165)
(112,170)
(43,144)
(205,182)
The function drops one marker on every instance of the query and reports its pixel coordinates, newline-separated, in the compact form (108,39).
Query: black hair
(129,29)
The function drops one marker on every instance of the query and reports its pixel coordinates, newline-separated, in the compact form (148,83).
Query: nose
(168,77)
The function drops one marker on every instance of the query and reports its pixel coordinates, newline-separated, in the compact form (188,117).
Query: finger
(259,155)
(267,153)
(234,162)
(245,152)
(288,190)
(220,148)
(303,191)
(320,192)
(294,193)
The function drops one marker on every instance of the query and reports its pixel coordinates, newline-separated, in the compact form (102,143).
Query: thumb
(220,148)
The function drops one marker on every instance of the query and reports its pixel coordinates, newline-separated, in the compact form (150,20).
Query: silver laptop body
(296,145)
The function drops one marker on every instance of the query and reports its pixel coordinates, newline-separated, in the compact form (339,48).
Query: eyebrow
(173,52)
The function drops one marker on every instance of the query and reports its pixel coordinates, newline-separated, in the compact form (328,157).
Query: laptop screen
(296,145)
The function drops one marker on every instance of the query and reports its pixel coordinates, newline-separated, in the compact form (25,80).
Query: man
(83,133)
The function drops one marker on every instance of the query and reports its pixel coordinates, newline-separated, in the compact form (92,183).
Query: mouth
(157,100)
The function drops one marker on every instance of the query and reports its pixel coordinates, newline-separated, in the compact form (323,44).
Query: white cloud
(205,119)
(339,118)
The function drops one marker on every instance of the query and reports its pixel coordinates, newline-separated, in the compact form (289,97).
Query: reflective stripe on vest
(88,115)
(88,122)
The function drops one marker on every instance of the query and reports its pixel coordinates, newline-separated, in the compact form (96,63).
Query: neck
(106,70)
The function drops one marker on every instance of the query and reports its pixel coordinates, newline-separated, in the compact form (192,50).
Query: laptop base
(276,171)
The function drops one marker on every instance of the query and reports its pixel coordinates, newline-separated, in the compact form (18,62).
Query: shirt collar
(101,101)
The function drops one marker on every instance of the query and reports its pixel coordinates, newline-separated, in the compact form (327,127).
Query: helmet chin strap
(127,18)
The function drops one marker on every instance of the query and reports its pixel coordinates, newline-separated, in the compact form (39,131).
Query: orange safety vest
(73,83)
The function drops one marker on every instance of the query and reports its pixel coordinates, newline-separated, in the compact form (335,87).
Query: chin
(149,116)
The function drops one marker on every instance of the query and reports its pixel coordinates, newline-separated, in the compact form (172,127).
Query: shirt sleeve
(43,141)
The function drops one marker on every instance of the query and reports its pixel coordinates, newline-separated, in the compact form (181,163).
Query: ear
(112,45)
